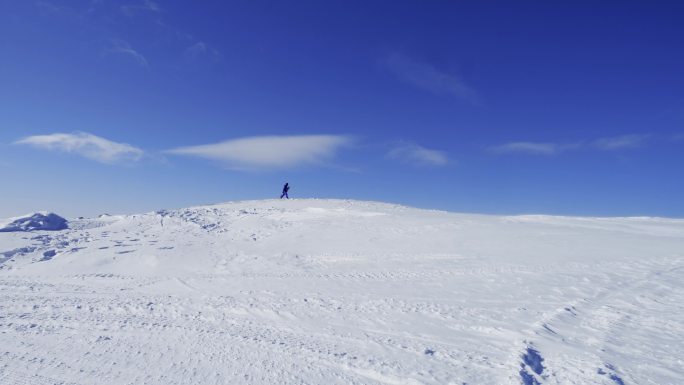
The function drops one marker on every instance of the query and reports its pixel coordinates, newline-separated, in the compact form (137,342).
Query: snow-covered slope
(343,292)
(33,222)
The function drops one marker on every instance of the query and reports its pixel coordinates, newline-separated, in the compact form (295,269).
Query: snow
(343,292)
(37,221)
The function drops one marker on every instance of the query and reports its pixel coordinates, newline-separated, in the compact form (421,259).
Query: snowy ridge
(38,221)
(343,292)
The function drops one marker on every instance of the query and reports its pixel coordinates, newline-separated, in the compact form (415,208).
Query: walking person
(286,188)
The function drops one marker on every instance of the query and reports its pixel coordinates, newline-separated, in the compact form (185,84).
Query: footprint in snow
(531,360)
(48,255)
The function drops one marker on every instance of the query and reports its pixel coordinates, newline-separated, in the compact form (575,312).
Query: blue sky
(570,108)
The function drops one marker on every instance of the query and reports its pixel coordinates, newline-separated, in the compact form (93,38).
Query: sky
(563,107)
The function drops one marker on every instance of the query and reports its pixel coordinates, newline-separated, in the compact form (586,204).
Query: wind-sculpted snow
(532,360)
(37,221)
(343,292)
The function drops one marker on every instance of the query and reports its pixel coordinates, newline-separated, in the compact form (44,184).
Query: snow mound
(37,221)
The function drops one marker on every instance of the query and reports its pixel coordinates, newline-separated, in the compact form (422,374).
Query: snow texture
(343,292)
(37,221)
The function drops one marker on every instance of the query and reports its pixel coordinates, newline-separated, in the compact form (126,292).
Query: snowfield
(343,292)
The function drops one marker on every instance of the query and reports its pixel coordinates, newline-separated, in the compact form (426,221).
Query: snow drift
(37,221)
(343,292)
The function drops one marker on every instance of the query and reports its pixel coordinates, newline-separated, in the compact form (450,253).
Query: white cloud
(50,8)
(429,78)
(269,152)
(549,148)
(620,142)
(201,49)
(87,145)
(121,47)
(145,6)
(526,147)
(413,153)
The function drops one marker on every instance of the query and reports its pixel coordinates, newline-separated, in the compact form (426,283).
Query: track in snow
(343,292)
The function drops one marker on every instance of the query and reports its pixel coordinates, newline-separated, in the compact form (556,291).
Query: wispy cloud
(87,145)
(620,142)
(121,47)
(418,155)
(427,77)
(269,152)
(678,137)
(143,6)
(72,12)
(51,8)
(526,147)
(201,49)
(614,143)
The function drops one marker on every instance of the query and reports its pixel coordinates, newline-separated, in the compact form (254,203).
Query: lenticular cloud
(87,145)
(263,152)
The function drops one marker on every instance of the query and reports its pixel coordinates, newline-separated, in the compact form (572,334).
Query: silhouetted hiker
(286,188)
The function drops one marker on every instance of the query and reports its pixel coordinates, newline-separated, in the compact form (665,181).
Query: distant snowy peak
(37,221)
